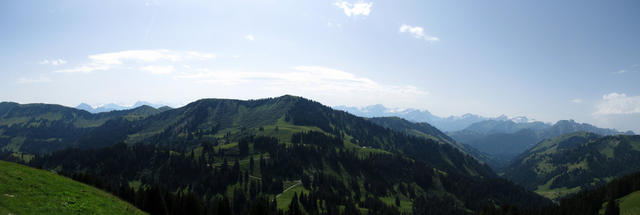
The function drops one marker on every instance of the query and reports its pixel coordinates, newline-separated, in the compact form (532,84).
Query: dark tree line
(588,202)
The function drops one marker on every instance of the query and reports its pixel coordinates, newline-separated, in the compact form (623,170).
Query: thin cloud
(417,32)
(618,103)
(249,37)
(41,79)
(106,61)
(332,24)
(631,69)
(54,62)
(355,9)
(158,70)
(314,81)
(623,71)
(576,101)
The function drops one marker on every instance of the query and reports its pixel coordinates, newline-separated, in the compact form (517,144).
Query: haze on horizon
(546,60)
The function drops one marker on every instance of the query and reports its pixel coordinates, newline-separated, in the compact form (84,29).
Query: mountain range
(307,157)
(446,124)
(290,154)
(113,106)
(495,141)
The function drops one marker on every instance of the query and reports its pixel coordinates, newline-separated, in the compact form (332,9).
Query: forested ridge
(230,156)
(564,165)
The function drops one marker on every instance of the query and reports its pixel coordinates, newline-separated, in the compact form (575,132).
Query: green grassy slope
(630,204)
(24,190)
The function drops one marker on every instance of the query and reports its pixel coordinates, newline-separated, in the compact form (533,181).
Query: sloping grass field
(25,190)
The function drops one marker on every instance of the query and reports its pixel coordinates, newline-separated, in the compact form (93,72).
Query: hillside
(26,190)
(425,130)
(232,152)
(630,204)
(566,164)
(37,128)
(620,196)
(504,140)
(227,121)
(420,129)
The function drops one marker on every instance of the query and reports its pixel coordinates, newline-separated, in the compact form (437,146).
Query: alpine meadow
(215,107)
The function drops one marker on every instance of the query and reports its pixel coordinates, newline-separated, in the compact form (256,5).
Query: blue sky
(547,60)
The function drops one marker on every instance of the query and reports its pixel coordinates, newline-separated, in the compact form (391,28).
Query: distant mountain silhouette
(446,124)
(113,106)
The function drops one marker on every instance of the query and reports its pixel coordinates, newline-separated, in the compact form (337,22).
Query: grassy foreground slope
(25,190)
(630,204)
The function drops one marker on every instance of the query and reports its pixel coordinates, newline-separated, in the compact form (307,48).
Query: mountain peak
(86,107)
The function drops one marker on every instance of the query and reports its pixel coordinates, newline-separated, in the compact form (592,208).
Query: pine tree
(251,165)
(612,208)
(223,206)
(294,206)
(351,209)
(243,147)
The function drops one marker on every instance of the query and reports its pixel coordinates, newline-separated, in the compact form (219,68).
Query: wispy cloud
(623,71)
(576,101)
(249,37)
(55,62)
(632,69)
(332,24)
(310,80)
(41,79)
(355,9)
(158,70)
(618,103)
(106,61)
(417,32)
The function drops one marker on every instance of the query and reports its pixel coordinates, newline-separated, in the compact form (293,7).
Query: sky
(547,60)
